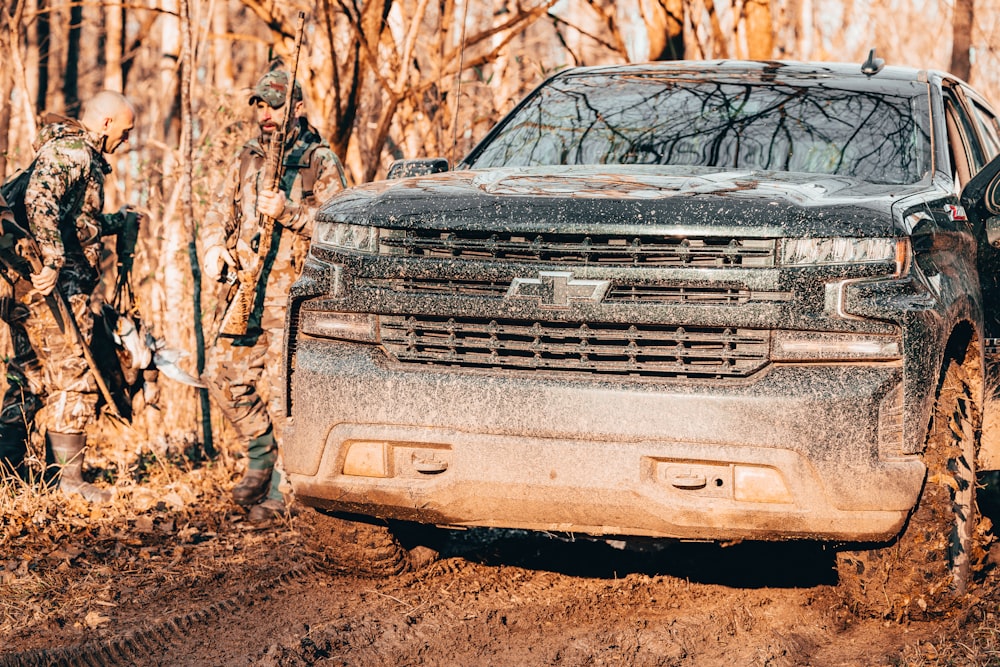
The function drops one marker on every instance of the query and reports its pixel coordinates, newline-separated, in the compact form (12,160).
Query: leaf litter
(172,542)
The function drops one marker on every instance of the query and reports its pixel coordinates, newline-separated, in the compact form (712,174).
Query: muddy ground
(172,574)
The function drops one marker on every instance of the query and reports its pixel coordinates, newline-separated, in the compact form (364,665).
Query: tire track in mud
(487,607)
(457,612)
(134,645)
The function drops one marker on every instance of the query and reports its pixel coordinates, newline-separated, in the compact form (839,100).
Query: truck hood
(623,198)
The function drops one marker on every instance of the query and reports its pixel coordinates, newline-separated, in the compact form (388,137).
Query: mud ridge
(135,644)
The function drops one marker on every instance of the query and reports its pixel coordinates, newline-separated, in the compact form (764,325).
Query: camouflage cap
(273,89)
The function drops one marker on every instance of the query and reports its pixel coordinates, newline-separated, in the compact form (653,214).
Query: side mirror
(993,230)
(421,167)
(981,195)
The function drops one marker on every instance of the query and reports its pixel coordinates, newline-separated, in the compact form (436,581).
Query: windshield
(648,119)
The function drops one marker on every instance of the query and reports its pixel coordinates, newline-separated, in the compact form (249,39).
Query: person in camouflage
(64,200)
(240,370)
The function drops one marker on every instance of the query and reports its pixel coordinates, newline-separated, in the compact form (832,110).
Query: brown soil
(171,573)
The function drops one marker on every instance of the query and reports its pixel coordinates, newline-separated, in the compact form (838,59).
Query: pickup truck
(714,301)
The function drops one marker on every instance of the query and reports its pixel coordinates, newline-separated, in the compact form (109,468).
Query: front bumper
(795,452)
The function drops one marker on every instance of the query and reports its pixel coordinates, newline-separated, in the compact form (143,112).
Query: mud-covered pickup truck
(713,301)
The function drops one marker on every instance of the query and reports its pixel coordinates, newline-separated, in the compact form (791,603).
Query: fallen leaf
(94,620)
(68,552)
(144,498)
(174,500)
(187,534)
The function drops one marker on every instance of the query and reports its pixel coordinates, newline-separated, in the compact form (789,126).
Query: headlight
(344,326)
(840,250)
(344,236)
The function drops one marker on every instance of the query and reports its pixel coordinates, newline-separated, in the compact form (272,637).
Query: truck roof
(754,69)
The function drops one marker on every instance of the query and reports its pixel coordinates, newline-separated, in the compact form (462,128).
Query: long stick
(241,305)
(67,316)
(29,250)
(187,199)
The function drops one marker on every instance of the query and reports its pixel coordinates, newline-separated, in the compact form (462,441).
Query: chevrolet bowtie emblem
(556,289)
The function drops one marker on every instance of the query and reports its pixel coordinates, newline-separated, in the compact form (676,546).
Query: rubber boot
(273,506)
(262,452)
(67,450)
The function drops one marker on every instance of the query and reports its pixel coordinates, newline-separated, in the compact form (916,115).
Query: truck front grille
(583,347)
(602,249)
(618,293)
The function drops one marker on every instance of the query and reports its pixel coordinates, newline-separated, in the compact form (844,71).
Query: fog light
(345,326)
(367,459)
(755,484)
(819,346)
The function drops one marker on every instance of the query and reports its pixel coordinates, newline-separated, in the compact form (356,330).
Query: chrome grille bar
(582,248)
(650,294)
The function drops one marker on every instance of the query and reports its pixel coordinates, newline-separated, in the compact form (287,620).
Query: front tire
(928,567)
(364,546)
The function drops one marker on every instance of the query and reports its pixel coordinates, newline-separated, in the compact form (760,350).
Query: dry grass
(967,643)
(173,542)
(69,566)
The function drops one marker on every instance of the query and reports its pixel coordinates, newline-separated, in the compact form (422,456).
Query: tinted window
(600,119)
(989,130)
(966,138)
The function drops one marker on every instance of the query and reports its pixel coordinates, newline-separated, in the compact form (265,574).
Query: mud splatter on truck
(714,301)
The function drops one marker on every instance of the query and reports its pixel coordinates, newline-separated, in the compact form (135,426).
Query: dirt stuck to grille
(171,572)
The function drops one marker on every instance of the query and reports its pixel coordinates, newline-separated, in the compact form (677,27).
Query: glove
(215,261)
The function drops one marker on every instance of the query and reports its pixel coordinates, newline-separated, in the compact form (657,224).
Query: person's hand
(151,393)
(271,203)
(45,280)
(216,259)
(133,217)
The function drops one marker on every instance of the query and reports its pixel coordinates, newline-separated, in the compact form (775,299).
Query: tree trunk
(187,214)
(10,20)
(114,45)
(43,35)
(961,39)
(665,21)
(759,29)
(221,49)
(71,90)
(720,43)
(168,101)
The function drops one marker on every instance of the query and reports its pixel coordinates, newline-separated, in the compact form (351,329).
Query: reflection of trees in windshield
(646,120)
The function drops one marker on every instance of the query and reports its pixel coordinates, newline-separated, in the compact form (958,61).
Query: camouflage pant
(240,380)
(19,405)
(59,373)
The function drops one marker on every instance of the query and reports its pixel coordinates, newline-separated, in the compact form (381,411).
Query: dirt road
(494,598)
(172,574)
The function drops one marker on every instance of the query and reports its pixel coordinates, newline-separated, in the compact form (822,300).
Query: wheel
(363,545)
(988,486)
(928,567)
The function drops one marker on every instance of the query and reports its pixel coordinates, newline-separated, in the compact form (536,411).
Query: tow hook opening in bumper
(733,481)
(739,482)
(383,459)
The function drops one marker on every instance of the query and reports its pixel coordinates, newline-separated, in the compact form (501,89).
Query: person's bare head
(110,115)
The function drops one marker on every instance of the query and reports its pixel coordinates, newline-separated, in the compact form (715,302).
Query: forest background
(384,79)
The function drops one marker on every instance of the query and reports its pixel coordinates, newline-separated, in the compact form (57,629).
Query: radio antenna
(458,83)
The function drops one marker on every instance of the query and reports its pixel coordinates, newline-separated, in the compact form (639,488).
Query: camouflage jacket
(313,173)
(65,202)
